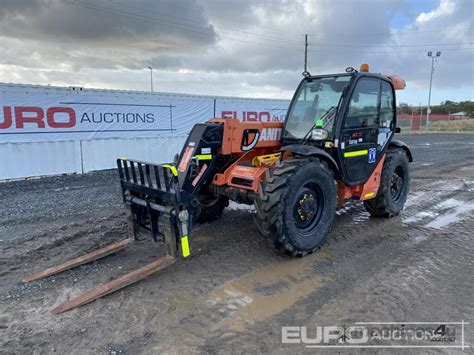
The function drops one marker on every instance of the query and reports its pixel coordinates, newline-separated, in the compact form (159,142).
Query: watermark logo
(379,335)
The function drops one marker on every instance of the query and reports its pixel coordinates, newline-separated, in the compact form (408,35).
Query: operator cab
(349,115)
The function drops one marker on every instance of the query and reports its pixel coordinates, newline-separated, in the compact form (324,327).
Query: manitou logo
(270,134)
(56,117)
(248,116)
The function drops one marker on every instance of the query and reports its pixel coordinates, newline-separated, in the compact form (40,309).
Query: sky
(249,48)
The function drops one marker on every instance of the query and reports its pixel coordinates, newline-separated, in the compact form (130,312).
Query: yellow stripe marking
(185,246)
(369,194)
(122,158)
(203,156)
(172,168)
(356,153)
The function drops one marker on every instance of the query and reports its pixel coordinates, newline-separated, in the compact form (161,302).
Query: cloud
(100,34)
(233,47)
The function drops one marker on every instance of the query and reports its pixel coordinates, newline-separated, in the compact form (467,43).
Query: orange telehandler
(336,144)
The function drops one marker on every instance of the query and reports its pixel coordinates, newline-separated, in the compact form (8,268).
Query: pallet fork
(150,196)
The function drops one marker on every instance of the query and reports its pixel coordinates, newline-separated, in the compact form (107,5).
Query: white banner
(252,110)
(37,113)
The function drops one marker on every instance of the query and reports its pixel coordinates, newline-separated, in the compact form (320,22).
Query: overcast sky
(251,48)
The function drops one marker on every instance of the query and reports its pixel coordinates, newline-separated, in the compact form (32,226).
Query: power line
(199,30)
(393,45)
(381,52)
(280,32)
(189,28)
(393,33)
(229,29)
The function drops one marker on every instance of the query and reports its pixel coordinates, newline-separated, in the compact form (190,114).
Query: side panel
(241,137)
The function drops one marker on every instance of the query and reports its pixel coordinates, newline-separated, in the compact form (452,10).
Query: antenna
(306,72)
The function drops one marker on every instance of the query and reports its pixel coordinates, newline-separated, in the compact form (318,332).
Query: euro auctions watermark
(379,335)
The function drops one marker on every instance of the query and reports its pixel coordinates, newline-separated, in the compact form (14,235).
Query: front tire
(296,205)
(394,186)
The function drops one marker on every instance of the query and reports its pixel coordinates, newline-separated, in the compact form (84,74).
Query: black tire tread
(269,204)
(380,205)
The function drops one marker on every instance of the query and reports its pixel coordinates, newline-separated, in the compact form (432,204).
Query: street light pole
(151,78)
(428,111)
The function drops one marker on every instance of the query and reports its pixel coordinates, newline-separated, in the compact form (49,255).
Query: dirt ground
(235,293)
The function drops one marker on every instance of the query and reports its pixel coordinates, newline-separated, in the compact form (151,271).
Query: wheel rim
(397,183)
(307,207)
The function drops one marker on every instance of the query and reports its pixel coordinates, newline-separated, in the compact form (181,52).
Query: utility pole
(151,77)
(305,53)
(428,111)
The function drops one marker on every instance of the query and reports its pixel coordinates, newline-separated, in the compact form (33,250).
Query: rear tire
(394,186)
(211,210)
(296,205)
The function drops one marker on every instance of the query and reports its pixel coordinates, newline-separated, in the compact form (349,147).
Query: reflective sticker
(188,153)
(355,153)
(198,177)
(343,145)
(185,246)
(122,158)
(203,156)
(369,194)
(205,150)
(372,154)
(172,168)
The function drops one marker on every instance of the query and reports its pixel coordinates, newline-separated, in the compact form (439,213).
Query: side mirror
(398,130)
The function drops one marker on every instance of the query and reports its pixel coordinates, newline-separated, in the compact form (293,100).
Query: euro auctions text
(379,335)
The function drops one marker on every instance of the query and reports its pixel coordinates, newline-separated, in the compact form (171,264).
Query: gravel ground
(235,293)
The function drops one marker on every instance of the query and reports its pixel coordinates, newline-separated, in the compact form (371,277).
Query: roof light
(364,67)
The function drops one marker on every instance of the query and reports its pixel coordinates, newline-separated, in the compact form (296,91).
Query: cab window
(387,112)
(363,108)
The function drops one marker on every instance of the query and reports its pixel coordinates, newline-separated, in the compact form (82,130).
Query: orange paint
(188,153)
(234,130)
(362,192)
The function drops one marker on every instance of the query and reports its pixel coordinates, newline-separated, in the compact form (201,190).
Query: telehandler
(335,144)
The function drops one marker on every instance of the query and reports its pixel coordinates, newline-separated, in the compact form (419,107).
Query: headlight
(319,134)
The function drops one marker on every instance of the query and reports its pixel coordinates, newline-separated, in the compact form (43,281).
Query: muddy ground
(235,293)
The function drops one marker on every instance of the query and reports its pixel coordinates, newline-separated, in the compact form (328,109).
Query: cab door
(359,133)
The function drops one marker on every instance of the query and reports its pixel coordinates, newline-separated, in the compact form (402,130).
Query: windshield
(315,98)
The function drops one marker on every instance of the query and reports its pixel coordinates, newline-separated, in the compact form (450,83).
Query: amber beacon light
(364,67)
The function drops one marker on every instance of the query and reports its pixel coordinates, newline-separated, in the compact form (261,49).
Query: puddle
(240,206)
(447,185)
(444,220)
(414,198)
(419,216)
(442,214)
(266,292)
(435,190)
